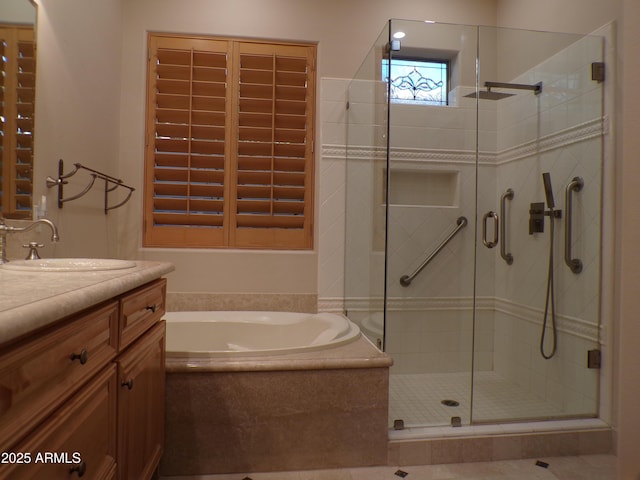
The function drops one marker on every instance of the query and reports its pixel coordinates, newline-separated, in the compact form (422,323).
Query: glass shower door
(430,178)
(539,176)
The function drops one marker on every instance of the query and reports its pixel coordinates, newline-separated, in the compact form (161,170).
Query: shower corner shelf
(110,185)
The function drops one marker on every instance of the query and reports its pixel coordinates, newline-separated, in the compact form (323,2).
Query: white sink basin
(69,265)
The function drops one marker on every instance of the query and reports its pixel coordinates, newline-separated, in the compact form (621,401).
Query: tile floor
(589,467)
(416,399)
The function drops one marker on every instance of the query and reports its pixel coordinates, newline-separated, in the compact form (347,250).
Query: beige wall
(17,11)
(570,16)
(628,259)
(77,116)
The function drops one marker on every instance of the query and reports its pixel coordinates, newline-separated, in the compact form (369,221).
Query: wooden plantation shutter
(272,176)
(185,161)
(17,90)
(229,158)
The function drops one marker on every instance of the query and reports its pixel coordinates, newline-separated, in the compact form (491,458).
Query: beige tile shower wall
(441,140)
(558,132)
(365,159)
(429,139)
(508,159)
(435,340)
(331,221)
(562,381)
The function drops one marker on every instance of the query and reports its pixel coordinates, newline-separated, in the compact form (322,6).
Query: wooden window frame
(17,108)
(245,154)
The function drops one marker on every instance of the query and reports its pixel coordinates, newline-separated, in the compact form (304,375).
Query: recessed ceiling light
(399,35)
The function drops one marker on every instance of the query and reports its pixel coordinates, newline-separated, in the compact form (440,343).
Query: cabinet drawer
(37,376)
(140,310)
(79,440)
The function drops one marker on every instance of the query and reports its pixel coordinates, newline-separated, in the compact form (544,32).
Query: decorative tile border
(567,324)
(562,138)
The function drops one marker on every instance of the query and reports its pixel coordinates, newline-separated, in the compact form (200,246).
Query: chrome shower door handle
(494,242)
(575,185)
(507,257)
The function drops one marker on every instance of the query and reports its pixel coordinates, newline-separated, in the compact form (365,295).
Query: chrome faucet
(7,229)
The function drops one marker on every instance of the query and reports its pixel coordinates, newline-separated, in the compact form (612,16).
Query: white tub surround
(223,334)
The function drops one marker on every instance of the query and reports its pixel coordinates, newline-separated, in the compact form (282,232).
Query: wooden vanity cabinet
(85,397)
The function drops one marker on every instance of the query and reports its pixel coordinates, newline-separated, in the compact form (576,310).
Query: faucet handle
(33,250)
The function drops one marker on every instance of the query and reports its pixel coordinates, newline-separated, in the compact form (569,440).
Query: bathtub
(281,391)
(224,334)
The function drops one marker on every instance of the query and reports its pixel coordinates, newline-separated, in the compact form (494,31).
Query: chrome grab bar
(406,280)
(507,257)
(486,242)
(575,185)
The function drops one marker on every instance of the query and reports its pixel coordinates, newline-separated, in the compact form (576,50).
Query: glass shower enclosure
(473,220)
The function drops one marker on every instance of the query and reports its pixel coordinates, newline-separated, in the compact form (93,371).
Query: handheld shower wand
(548,190)
(550,297)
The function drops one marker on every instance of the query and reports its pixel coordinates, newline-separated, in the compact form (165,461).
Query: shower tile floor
(417,399)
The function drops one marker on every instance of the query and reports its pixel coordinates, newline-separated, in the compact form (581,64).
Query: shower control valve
(537,213)
(536,218)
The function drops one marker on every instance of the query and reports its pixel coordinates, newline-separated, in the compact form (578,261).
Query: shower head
(548,189)
(489,95)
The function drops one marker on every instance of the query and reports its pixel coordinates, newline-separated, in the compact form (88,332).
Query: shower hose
(549,298)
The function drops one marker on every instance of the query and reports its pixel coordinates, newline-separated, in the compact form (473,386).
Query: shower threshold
(519,428)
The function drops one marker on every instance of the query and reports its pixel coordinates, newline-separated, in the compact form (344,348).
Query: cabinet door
(79,440)
(38,374)
(141,405)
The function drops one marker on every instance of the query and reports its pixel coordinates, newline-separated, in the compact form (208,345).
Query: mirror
(17,103)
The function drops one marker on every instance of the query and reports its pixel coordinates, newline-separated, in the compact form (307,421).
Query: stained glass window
(417,81)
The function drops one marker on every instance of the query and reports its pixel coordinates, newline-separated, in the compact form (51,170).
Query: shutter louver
(229,161)
(18,97)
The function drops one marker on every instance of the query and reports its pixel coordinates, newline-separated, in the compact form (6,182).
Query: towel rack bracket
(110,184)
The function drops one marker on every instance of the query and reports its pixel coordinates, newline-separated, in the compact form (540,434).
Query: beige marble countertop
(31,300)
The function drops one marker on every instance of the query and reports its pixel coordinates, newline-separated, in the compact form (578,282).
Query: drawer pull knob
(83,356)
(80,469)
(128,384)
(153,308)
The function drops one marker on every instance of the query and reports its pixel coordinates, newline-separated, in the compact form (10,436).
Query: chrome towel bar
(406,280)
